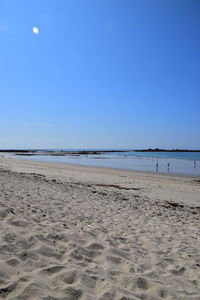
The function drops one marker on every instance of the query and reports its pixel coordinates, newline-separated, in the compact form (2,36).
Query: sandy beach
(75,232)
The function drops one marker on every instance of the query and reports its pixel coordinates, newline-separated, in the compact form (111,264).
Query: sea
(176,163)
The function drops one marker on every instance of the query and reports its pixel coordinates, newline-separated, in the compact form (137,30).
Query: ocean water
(180,163)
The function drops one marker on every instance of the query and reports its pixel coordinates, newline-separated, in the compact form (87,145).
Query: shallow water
(183,163)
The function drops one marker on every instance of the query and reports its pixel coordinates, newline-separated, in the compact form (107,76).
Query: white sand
(75,232)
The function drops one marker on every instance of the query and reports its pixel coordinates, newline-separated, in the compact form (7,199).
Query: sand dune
(70,232)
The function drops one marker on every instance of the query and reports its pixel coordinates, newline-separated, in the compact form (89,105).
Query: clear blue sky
(100,74)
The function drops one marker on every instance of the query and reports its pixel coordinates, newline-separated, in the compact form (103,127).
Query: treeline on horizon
(165,150)
(95,151)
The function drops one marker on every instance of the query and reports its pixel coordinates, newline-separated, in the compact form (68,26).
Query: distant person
(194,164)
(156,167)
(168,167)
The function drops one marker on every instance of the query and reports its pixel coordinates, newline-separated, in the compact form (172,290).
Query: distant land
(86,152)
(165,150)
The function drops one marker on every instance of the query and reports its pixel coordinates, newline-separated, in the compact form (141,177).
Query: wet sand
(75,232)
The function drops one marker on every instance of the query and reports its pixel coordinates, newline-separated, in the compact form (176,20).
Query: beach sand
(75,232)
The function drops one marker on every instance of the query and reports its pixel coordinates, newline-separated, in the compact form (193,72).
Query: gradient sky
(100,74)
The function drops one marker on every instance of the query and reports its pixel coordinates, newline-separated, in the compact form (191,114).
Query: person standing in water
(194,164)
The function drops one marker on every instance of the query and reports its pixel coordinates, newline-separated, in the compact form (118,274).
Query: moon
(35,30)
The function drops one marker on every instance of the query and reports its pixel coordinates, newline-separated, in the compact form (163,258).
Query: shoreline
(95,168)
(108,168)
(65,172)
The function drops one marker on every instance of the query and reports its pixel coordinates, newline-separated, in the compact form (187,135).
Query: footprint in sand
(89,281)
(52,270)
(13,262)
(4,292)
(68,277)
(120,253)
(110,295)
(73,294)
(95,247)
(114,259)
(142,283)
